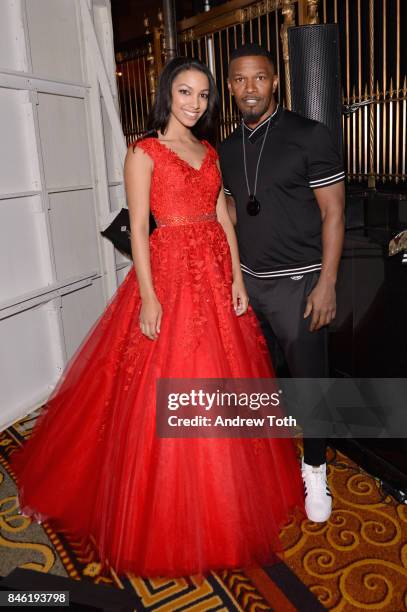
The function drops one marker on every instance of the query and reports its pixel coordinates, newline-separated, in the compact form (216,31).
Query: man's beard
(253,115)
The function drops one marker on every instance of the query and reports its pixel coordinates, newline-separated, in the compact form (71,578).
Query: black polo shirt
(299,156)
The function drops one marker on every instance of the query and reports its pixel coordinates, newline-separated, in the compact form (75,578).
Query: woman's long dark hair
(206,127)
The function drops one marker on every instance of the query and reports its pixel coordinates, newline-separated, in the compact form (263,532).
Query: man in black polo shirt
(284,180)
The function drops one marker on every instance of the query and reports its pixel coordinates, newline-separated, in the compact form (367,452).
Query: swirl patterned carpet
(355,561)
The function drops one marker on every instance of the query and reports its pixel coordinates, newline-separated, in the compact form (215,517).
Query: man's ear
(230,87)
(275,83)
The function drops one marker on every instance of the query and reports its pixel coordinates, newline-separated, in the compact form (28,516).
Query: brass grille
(373,58)
(211,41)
(134,92)
(373,72)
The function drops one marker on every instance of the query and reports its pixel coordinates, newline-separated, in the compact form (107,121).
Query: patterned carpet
(355,561)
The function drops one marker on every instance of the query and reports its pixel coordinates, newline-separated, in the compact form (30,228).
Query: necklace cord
(258,160)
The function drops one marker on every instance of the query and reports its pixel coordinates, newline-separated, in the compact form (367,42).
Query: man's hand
(321,302)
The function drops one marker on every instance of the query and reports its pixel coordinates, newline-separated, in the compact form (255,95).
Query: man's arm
(321,301)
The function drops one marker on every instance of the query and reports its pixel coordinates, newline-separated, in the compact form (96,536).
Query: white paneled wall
(60,176)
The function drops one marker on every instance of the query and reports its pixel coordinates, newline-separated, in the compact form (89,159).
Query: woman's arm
(231,205)
(137,176)
(239,294)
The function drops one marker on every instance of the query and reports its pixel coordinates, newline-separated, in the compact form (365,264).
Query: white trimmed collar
(254,130)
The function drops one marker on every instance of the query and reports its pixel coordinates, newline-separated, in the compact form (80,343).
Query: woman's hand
(240,297)
(151,313)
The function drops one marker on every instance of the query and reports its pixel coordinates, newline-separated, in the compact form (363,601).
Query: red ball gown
(94,465)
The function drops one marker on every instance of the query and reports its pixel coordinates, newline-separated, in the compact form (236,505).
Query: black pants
(279,304)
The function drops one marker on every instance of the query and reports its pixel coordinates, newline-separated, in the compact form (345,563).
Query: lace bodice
(180,193)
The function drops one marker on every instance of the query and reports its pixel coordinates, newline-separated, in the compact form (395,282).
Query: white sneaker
(318,497)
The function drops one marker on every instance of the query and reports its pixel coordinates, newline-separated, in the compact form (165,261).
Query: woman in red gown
(94,464)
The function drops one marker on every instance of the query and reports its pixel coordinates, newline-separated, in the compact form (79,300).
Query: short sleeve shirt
(299,156)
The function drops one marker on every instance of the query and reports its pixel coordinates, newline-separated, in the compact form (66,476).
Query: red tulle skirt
(94,465)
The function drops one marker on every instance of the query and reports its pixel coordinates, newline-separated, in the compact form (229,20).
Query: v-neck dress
(95,465)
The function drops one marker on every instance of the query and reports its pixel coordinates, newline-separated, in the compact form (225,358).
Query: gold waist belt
(185,219)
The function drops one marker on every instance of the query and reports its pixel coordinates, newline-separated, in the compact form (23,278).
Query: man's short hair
(250,49)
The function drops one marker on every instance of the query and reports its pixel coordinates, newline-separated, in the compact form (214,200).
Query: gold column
(123,99)
(308,12)
(371,179)
(302,12)
(353,118)
(229,115)
(128,89)
(147,85)
(135,99)
(360,110)
(347,95)
(222,85)
(397,167)
(143,125)
(158,41)
(151,75)
(366,110)
(280,93)
(384,88)
(170,28)
(404,130)
(391,131)
(378,129)
(288,12)
(312,12)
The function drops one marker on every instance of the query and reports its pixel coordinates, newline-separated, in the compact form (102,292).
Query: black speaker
(315,75)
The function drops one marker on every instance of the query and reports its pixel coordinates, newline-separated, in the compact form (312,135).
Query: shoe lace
(315,478)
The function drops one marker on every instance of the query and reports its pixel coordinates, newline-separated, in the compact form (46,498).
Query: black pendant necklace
(253,205)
